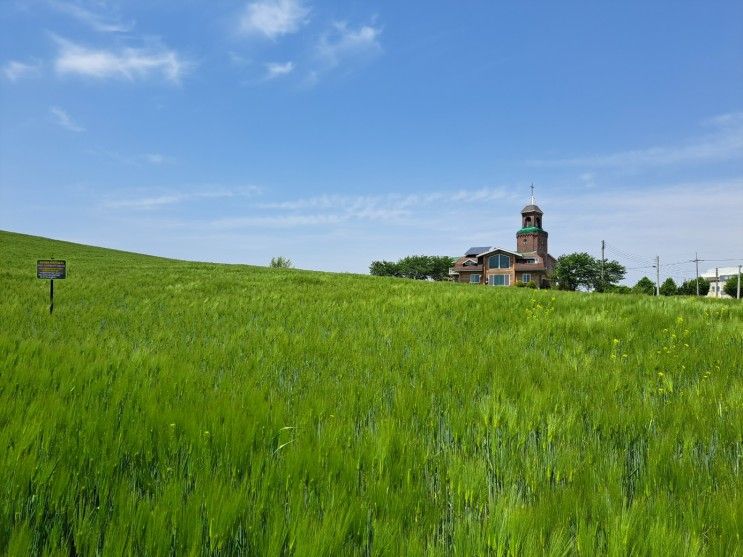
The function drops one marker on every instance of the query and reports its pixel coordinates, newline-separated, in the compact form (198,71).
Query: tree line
(421,267)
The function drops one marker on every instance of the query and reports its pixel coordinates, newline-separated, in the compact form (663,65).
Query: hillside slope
(176,407)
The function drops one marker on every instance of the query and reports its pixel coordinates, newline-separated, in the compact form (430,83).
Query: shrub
(281,262)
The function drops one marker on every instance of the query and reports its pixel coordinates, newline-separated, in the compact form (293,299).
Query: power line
(674,270)
(679,263)
(627,255)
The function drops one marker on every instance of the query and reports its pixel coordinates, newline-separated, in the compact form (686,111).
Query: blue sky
(337,133)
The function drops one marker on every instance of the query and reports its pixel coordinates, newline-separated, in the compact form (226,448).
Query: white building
(716,286)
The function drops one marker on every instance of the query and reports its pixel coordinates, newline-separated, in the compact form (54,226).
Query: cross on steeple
(532,193)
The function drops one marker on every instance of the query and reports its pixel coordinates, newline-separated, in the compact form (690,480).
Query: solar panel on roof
(476,250)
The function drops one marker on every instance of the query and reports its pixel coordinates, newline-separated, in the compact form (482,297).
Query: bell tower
(532,237)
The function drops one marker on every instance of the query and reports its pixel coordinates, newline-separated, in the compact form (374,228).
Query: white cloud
(157,158)
(724,143)
(239,60)
(133,160)
(670,220)
(273,18)
(126,63)
(734,119)
(275,69)
(97,22)
(338,209)
(149,202)
(345,42)
(61,118)
(279,221)
(588,179)
(15,70)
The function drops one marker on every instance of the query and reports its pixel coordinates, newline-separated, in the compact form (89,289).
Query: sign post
(51,269)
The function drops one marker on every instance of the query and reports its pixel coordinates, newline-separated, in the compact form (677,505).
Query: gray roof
(493,250)
(532,209)
(477,250)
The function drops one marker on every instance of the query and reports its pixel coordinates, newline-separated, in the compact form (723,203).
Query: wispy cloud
(273,18)
(588,179)
(157,158)
(61,118)
(393,200)
(133,160)
(275,69)
(280,221)
(96,21)
(724,143)
(338,209)
(15,70)
(126,63)
(629,218)
(150,202)
(344,42)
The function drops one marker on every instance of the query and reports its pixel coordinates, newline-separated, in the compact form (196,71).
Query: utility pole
(738,296)
(696,260)
(603,245)
(717,282)
(657,275)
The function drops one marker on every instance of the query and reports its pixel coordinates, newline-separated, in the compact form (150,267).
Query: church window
(527,222)
(499,262)
(499,280)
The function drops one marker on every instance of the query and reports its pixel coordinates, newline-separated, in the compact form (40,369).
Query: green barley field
(177,408)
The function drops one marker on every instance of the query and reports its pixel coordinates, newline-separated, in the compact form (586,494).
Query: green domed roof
(531,230)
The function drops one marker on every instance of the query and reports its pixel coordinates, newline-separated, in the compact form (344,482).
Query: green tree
(419,267)
(668,288)
(384,269)
(731,286)
(574,270)
(415,267)
(644,286)
(618,289)
(612,273)
(689,287)
(439,266)
(281,262)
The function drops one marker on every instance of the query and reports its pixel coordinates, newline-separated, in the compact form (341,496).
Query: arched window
(527,222)
(539,222)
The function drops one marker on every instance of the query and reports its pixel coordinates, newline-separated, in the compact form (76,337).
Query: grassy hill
(192,408)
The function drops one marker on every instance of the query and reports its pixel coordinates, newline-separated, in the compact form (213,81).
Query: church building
(495,266)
